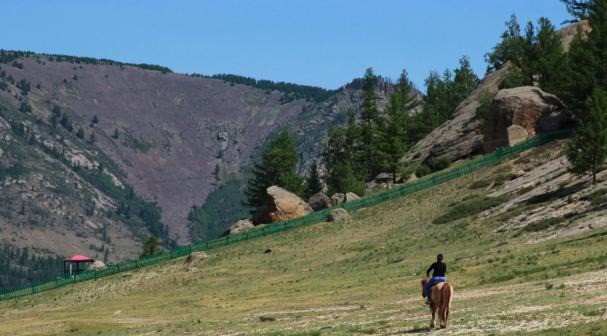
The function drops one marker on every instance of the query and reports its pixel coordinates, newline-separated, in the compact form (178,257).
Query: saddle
(436,283)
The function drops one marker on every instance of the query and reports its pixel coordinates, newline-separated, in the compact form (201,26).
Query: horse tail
(446,300)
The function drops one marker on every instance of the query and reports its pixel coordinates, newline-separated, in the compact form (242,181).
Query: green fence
(313,218)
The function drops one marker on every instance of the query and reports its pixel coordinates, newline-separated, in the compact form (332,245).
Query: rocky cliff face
(460,137)
(173,135)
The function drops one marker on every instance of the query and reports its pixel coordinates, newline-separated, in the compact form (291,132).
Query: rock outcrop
(522,112)
(568,33)
(239,226)
(461,136)
(320,201)
(282,205)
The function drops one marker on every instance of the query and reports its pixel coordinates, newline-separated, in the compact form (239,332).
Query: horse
(440,296)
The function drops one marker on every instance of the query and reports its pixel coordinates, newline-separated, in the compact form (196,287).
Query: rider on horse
(440,269)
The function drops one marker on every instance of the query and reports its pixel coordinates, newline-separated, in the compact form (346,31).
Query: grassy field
(359,277)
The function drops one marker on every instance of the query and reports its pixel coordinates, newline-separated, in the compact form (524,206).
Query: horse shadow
(418,330)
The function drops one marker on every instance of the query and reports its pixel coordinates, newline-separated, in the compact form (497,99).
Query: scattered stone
(267,251)
(283,205)
(320,201)
(240,226)
(339,215)
(351,197)
(338,198)
(195,257)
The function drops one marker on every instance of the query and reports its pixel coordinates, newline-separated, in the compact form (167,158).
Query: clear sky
(315,42)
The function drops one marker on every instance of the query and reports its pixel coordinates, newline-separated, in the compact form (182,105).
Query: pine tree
(578,8)
(587,150)
(394,139)
(80,133)
(366,159)
(464,81)
(276,167)
(585,65)
(150,247)
(511,48)
(549,57)
(313,183)
(339,158)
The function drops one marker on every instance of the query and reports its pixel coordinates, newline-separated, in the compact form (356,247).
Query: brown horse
(440,296)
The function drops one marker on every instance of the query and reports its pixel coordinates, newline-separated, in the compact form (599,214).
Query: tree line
(373,141)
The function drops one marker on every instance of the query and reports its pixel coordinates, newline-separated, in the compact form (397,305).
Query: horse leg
(446,316)
(441,316)
(432,323)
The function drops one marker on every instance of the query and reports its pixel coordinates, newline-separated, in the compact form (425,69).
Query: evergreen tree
(394,141)
(511,48)
(578,8)
(587,150)
(339,157)
(366,158)
(585,68)
(277,167)
(464,81)
(313,183)
(80,133)
(150,247)
(548,58)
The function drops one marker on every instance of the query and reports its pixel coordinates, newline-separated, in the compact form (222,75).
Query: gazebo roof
(79,258)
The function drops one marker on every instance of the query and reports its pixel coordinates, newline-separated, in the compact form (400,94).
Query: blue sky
(315,42)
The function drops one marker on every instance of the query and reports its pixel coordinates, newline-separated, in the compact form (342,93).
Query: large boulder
(320,201)
(522,112)
(240,226)
(282,205)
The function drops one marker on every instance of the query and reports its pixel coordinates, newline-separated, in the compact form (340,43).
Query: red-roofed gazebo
(72,265)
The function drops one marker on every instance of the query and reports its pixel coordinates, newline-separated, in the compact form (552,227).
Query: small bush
(469,208)
(439,163)
(597,198)
(480,184)
(422,171)
(543,224)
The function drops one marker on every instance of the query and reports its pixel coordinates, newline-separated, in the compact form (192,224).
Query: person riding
(439,270)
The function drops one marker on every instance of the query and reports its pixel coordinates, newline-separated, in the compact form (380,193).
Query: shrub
(543,224)
(480,184)
(422,170)
(439,163)
(469,208)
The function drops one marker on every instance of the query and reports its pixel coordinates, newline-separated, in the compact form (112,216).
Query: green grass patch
(544,224)
(480,184)
(468,208)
